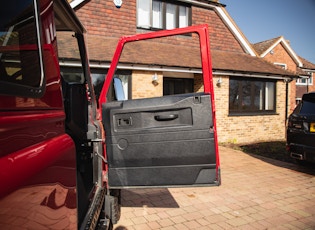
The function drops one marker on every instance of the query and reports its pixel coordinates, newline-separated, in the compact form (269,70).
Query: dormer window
(157,14)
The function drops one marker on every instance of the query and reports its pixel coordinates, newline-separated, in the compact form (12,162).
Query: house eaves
(235,64)
(166,58)
(168,55)
(287,48)
(76,3)
(307,65)
(156,68)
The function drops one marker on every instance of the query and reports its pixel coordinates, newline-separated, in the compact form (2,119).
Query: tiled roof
(307,64)
(246,64)
(101,50)
(301,72)
(261,47)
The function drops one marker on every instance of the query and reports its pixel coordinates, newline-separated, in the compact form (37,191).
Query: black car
(301,129)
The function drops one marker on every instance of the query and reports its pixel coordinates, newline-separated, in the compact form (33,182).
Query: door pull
(166,117)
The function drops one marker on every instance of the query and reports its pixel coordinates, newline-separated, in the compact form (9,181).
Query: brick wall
(143,87)
(235,129)
(301,89)
(220,36)
(198,83)
(248,129)
(280,55)
(102,18)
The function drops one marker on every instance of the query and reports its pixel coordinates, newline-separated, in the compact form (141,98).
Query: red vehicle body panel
(37,157)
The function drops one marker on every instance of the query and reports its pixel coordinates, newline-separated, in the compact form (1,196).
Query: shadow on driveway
(274,152)
(303,167)
(160,198)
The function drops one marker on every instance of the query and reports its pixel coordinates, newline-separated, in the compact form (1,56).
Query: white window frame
(308,80)
(147,16)
(282,65)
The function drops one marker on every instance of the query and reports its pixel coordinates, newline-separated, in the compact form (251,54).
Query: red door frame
(202,31)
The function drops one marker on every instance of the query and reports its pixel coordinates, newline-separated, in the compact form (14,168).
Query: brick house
(279,52)
(250,93)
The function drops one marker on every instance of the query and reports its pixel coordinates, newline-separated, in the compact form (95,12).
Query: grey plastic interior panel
(165,141)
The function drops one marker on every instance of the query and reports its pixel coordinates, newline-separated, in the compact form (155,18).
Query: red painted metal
(201,30)
(18,167)
(38,186)
(37,157)
(25,128)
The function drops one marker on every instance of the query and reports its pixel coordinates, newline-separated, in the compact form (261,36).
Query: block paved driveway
(256,193)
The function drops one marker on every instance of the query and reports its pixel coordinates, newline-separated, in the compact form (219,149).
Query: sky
(263,20)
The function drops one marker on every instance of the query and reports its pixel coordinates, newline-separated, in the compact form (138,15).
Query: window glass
(251,95)
(183,16)
(177,86)
(308,107)
(304,81)
(270,95)
(234,95)
(170,16)
(19,52)
(125,83)
(246,95)
(143,13)
(258,95)
(66,41)
(157,19)
(98,78)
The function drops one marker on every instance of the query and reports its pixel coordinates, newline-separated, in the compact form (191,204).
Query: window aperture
(251,96)
(21,71)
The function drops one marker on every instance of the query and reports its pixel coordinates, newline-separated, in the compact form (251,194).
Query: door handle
(166,117)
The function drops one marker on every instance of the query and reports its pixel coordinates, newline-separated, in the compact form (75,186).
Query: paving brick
(152,217)
(237,222)
(139,220)
(203,222)
(256,193)
(181,227)
(154,225)
(166,222)
(178,219)
(169,228)
(215,218)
